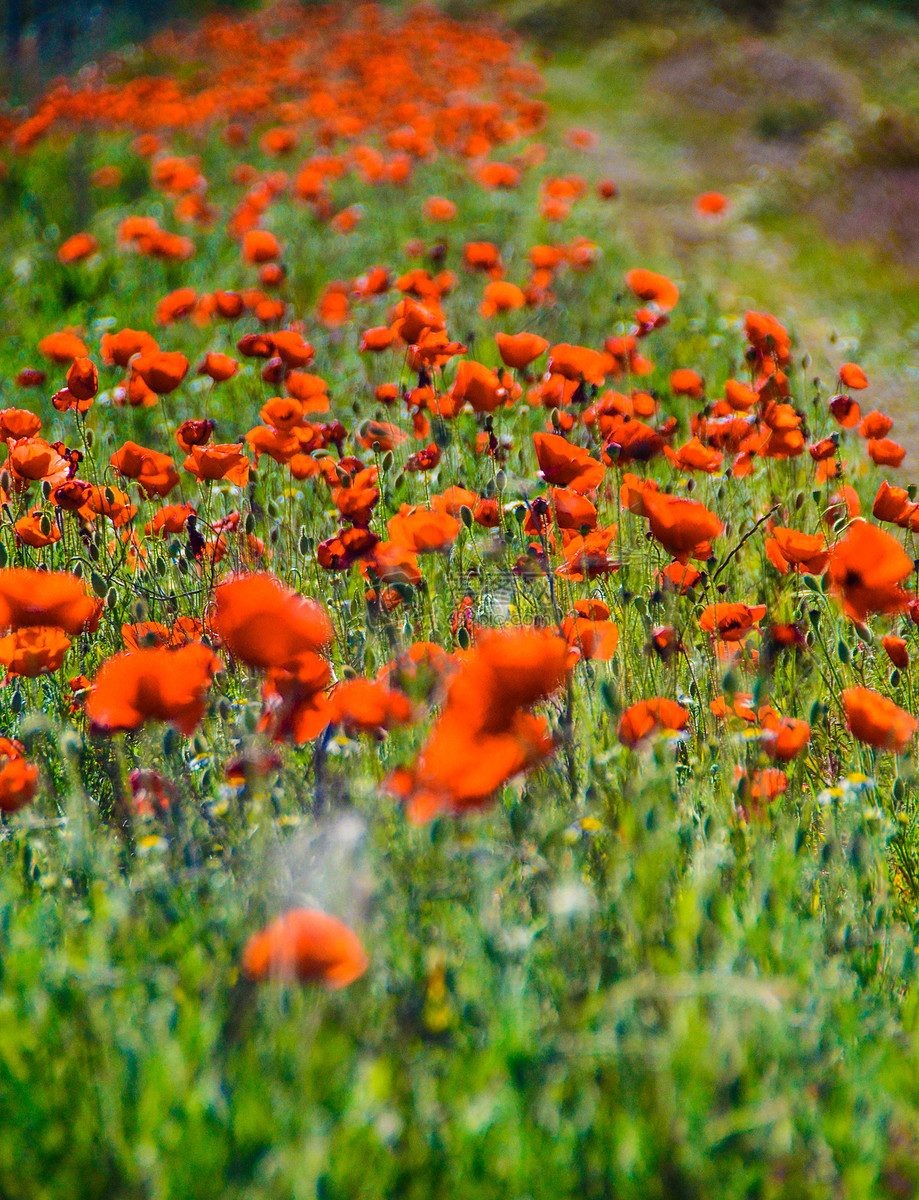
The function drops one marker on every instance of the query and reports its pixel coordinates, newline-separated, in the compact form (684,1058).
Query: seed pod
(609,695)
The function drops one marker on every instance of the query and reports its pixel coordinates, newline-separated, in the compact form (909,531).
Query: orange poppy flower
(152,685)
(218,462)
(853,377)
(83,379)
(162,371)
(260,246)
(176,306)
(649,717)
(896,650)
(18,783)
(368,706)
(768,337)
(18,423)
(893,504)
(76,248)
(593,637)
(588,556)
(685,382)
(784,738)
(154,472)
(484,735)
(29,377)
(875,425)
(731,622)
(477,386)
(341,552)
(305,946)
(519,350)
(438,208)
(30,598)
(846,411)
(423,531)
(695,457)
(37,530)
(679,577)
(34,651)
(866,569)
(567,465)
(108,502)
(739,396)
(652,288)
(119,348)
(374,341)
(805,553)
(499,297)
(578,363)
(63,347)
(683,527)
(267,626)
(219,367)
(711,204)
(885,453)
(874,719)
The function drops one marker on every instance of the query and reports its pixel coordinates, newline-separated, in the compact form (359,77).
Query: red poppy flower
(30,598)
(804,552)
(37,650)
(267,626)
(305,946)
(519,350)
(18,782)
(484,735)
(784,738)
(369,706)
(866,569)
(218,462)
(648,717)
(874,719)
(567,465)
(652,288)
(853,377)
(683,527)
(731,622)
(152,685)
(162,371)
(896,650)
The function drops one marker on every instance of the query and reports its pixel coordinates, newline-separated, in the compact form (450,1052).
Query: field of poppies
(457,732)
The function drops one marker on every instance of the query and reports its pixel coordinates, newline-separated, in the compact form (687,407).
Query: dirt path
(670,130)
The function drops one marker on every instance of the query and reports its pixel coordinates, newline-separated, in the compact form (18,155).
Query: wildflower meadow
(457,733)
